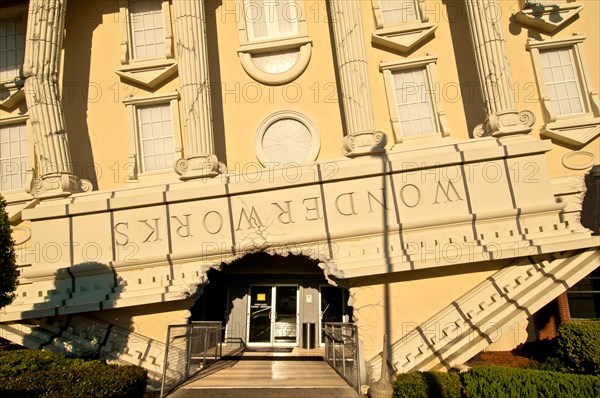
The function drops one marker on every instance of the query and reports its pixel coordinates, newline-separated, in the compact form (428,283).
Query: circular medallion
(286,137)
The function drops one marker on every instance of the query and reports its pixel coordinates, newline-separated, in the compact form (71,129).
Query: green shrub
(500,382)
(8,268)
(579,346)
(427,384)
(25,374)
(552,364)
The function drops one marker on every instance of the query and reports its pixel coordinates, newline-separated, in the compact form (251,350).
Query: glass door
(273,315)
(260,314)
(285,324)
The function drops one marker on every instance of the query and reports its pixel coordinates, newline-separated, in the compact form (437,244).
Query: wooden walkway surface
(300,374)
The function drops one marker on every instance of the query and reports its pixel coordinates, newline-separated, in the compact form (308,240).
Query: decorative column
(349,39)
(485,24)
(199,159)
(45,30)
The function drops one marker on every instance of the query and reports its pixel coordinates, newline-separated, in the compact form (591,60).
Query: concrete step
(265,392)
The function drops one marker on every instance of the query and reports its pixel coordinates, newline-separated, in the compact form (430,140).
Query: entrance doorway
(265,300)
(273,315)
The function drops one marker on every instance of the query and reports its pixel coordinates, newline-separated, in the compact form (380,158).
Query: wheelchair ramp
(302,373)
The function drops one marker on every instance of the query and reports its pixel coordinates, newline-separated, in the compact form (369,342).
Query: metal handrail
(336,337)
(182,346)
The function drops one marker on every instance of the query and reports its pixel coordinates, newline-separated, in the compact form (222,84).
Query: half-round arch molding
(304,49)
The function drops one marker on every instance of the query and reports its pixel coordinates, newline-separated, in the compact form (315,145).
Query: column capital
(503,123)
(198,166)
(364,143)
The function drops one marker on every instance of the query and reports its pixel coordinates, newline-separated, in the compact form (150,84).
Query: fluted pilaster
(45,30)
(485,24)
(361,138)
(199,159)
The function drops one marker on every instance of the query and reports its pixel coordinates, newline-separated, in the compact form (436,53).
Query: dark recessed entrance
(264,300)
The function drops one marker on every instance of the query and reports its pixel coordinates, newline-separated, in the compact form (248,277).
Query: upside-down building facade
(425,169)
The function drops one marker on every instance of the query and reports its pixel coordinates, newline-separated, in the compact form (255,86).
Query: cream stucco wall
(397,304)
(390,300)
(97,120)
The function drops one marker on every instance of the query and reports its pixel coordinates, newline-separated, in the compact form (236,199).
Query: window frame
(149,72)
(135,164)
(250,27)
(580,95)
(571,129)
(428,63)
(575,292)
(127,40)
(403,37)
(380,18)
(251,47)
(21,194)
(14,86)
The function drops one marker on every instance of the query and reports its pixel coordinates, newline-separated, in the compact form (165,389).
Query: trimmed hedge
(427,384)
(501,382)
(8,267)
(26,374)
(579,346)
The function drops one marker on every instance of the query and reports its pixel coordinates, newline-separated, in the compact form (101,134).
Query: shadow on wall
(78,91)
(470,88)
(214,69)
(81,288)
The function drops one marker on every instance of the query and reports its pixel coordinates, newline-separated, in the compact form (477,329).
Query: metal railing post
(220,342)
(205,348)
(188,336)
(165,363)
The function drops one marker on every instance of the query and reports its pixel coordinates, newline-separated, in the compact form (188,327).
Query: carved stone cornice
(547,17)
(199,160)
(361,138)
(42,57)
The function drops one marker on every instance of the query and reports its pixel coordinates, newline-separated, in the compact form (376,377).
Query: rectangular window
(398,12)
(569,103)
(561,81)
(415,110)
(14,152)
(12,46)
(584,297)
(269,19)
(156,137)
(147,29)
